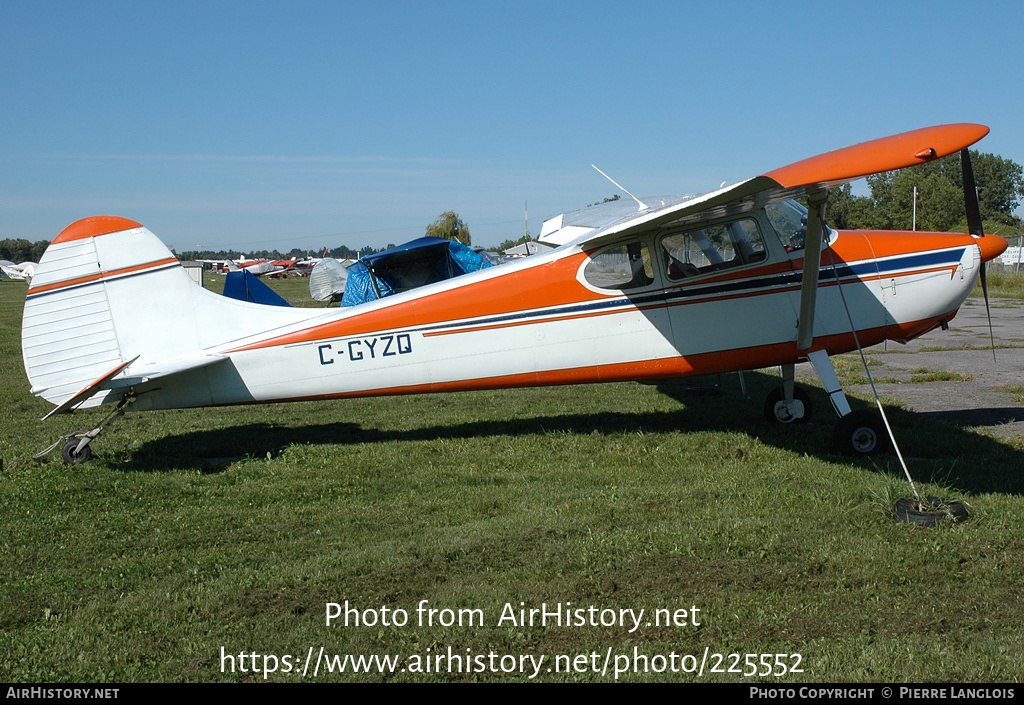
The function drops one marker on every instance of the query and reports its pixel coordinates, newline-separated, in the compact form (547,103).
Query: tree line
(20,250)
(340,252)
(940,198)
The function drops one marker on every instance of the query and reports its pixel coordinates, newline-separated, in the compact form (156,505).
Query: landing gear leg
(788,403)
(858,433)
(827,375)
(76,448)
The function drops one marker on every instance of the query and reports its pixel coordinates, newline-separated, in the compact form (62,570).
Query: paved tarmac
(984,397)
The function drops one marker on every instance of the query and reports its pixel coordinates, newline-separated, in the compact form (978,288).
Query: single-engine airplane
(645,290)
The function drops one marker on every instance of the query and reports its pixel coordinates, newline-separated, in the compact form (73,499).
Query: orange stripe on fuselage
(892,243)
(101,275)
(647,370)
(543,286)
(554,284)
(855,246)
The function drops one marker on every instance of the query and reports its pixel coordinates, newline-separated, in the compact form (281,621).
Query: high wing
(602,224)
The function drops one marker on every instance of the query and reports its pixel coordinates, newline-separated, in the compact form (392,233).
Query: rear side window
(621,267)
(711,248)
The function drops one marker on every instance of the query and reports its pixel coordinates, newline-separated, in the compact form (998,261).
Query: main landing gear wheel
(71,457)
(861,433)
(775,407)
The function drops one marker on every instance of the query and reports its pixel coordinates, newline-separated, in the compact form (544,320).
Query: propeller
(975,227)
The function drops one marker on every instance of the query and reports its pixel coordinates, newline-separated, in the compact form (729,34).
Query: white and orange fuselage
(122,298)
(686,286)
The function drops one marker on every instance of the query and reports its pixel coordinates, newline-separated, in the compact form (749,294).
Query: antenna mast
(643,206)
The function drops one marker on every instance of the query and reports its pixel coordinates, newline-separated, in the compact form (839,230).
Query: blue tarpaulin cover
(246,286)
(422,261)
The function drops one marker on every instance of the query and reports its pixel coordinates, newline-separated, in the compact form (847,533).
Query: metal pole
(914,225)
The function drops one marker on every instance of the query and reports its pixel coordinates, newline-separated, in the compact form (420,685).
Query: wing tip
(883,154)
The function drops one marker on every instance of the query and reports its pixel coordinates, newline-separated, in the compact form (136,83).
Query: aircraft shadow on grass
(939,446)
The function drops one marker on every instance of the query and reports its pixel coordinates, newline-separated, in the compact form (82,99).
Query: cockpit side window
(621,267)
(711,248)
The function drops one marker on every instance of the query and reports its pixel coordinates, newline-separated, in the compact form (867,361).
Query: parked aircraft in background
(740,278)
(24,271)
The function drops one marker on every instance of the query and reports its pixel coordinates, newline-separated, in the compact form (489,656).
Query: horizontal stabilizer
(86,392)
(149,371)
(129,374)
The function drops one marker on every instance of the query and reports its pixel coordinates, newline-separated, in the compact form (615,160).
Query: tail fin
(68,335)
(108,293)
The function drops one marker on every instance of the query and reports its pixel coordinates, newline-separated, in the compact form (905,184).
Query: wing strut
(812,260)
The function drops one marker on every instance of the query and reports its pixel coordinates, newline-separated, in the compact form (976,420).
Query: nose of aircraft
(991,246)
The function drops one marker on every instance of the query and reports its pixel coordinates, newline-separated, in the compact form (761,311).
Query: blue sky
(278,125)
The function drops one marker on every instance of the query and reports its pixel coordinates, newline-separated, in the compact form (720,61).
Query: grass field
(228,531)
(1004,284)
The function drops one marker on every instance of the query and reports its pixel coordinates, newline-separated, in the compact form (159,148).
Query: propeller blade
(974,225)
(984,291)
(976,229)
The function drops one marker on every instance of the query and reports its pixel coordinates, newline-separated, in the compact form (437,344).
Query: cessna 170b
(645,290)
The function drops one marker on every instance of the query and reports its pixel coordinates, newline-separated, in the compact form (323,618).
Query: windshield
(789,219)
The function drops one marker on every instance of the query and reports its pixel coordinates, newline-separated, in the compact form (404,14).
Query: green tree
(450,227)
(940,199)
(344,252)
(615,197)
(1000,187)
(20,250)
(841,209)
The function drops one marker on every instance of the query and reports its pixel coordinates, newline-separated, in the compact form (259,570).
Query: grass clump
(923,374)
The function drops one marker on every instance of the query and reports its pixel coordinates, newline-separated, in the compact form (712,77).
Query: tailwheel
(76,450)
(72,455)
(861,433)
(777,411)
